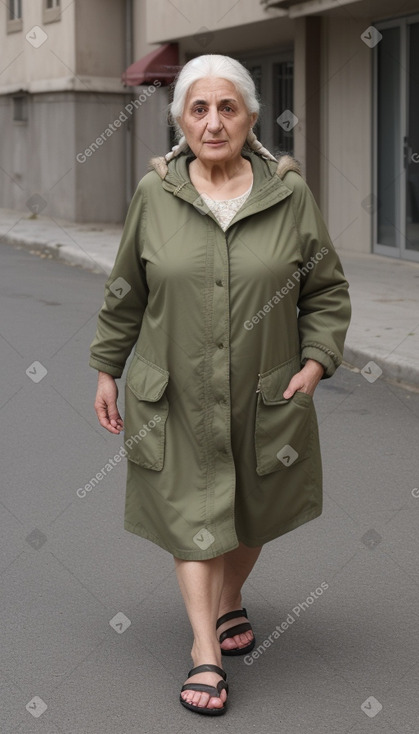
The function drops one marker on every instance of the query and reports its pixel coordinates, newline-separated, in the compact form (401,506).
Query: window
(14,16)
(283,95)
(51,11)
(20,108)
(395,202)
(273,75)
(15,9)
(256,73)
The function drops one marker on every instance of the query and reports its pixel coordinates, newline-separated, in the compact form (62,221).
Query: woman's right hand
(105,403)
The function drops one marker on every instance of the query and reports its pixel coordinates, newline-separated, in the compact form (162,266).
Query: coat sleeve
(126,294)
(324,308)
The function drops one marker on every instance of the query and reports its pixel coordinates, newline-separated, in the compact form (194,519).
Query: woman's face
(215,121)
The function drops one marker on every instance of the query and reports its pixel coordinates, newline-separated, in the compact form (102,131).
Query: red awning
(161,64)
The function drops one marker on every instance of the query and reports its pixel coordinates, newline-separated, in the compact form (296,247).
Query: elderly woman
(228,287)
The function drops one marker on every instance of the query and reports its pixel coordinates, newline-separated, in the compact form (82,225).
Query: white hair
(223,67)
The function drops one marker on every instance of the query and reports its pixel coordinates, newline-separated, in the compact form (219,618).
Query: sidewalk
(384,292)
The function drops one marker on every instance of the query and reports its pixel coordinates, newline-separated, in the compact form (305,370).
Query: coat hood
(268,189)
(285,163)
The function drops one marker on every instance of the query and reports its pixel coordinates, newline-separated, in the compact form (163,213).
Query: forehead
(214,88)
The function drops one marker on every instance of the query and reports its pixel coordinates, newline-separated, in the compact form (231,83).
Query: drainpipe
(129,128)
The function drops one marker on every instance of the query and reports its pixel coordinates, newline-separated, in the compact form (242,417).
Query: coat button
(220,345)
(219,282)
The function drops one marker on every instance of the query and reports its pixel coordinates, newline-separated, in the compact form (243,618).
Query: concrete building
(339,81)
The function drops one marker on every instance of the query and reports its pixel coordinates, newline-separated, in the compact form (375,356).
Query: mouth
(215,142)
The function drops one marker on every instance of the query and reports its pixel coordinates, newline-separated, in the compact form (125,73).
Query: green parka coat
(220,322)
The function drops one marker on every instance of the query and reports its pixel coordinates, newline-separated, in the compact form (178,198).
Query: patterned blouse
(225,210)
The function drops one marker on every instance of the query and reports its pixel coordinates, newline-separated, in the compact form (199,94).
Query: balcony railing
(280,3)
(307,6)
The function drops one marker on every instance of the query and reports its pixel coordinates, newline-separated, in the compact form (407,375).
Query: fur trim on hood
(285,163)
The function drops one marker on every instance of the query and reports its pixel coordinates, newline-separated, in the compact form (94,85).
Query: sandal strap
(207,669)
(236,630)
(231,615)
(212,690)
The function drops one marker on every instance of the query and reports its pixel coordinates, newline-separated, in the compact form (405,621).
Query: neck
(220,172)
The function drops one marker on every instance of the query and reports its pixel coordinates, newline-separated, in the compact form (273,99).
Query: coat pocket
(146,411)
(284,429)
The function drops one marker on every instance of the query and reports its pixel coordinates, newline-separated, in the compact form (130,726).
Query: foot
(237,641)
(202,699)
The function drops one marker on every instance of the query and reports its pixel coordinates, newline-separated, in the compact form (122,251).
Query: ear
(253,117)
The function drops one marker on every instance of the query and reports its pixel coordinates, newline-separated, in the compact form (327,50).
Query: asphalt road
(94,638)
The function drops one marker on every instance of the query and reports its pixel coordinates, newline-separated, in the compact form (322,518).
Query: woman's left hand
(306,380)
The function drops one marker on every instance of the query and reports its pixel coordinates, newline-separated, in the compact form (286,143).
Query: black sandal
(236,630)
(221,685)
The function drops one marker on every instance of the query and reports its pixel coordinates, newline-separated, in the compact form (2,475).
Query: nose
(214,123)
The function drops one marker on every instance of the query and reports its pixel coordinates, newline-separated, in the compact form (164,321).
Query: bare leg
(201,583)
(238,564)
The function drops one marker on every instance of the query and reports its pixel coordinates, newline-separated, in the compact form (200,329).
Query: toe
(187,696)
(246,637)
(203,699)
(230,643)
(240,640)
(215,703)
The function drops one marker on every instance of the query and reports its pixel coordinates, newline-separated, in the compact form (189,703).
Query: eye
(227,108)
(199,110)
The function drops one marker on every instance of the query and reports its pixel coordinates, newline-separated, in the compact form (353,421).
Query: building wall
(151,134)
(188,17)
(100,193)
(308,92)
(100,37)
(269,35)
(346,150)
(88,40)
(74,93)
(22,63)
(41,156)
(150,131)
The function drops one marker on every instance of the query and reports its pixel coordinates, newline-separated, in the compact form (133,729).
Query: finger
(294,385)
(114,415)
(103,418)
(109,427)
(117,423)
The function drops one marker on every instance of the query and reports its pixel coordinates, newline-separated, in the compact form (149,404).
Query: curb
(392,370)
(67,254)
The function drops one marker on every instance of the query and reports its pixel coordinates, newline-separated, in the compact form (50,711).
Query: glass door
(397,139)
(412,144)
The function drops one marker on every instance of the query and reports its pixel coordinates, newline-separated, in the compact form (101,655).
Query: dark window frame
(14,16)
(51,11)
